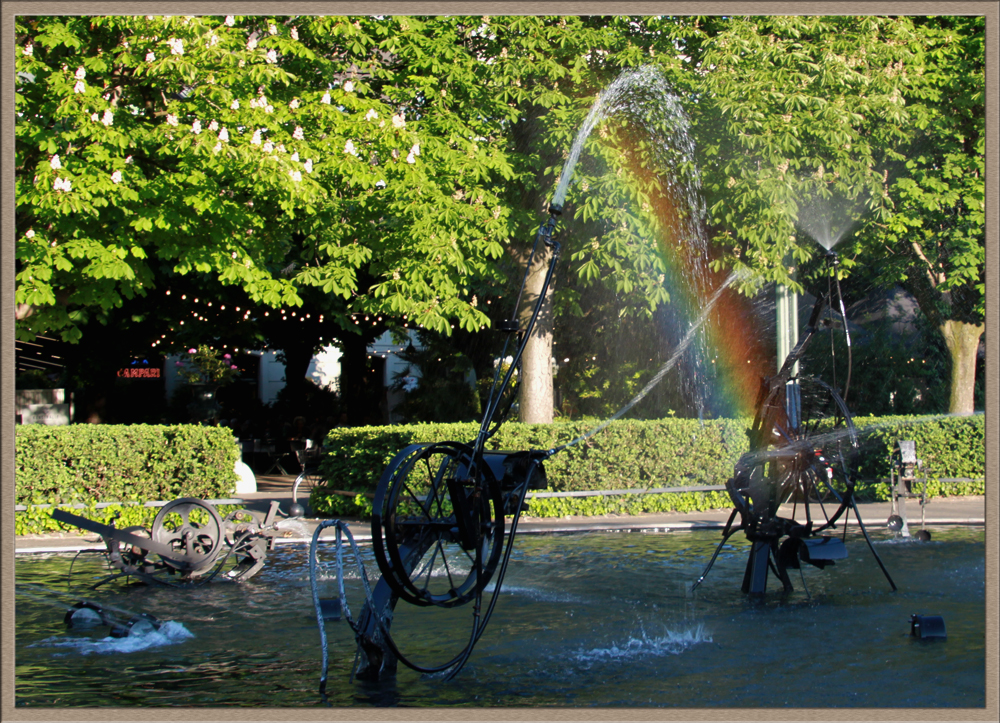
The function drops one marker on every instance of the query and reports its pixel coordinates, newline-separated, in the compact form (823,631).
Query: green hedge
(634,454)
(91,463)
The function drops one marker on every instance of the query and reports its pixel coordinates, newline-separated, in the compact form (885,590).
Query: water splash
(144,638)
(644,645)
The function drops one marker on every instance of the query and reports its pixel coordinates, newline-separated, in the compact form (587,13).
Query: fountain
(585,620)
(440,510)
(613,607)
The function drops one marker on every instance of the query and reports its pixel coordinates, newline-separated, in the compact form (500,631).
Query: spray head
(832,259)
(555,209)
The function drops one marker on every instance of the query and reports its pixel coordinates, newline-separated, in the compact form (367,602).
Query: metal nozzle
(555,209)
(832,258)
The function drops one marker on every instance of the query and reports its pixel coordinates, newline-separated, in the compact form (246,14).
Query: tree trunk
(962,340)
(536,397)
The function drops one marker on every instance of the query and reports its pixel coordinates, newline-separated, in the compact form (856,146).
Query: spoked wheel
(802,443)
(193,530)
(437,525)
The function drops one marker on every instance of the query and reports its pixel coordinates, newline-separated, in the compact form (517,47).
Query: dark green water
(602,620)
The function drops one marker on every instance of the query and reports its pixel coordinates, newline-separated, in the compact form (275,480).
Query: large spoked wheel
(437,525)
(193,530)
(804,443)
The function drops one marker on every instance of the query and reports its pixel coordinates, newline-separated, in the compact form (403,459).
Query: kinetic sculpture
(192,544)
(444,505)
(801,444)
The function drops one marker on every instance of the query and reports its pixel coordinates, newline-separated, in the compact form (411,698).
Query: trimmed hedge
(91,463)
(654,453)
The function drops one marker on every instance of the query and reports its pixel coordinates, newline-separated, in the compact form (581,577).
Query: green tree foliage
(386,166)
(272,153)
(864,128)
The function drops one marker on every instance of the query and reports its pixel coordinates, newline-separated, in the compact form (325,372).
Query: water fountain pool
(587,620)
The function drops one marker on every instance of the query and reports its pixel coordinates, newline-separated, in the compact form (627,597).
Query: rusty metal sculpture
(188,544)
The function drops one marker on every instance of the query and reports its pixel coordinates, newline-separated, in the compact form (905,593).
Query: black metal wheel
(437,524)
(802,444)
(193,529)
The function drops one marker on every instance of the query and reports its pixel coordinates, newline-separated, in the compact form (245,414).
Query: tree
(933,240)
(261,151)
(386,162)
(880,116)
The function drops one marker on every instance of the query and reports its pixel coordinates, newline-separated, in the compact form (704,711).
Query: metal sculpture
(443,506)
(188,544)
(903,469)
(801,444)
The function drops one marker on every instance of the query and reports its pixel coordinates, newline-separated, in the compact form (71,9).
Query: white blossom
(213,40)
(230,21)
(171,119)
(295,33)
(129,160)
(326,98)
(235,105)
(29,51)
(94,117)
(371,114)
(410,159)
(81,73)
(349,148)
(150,56)
(224,135)
(108,118)
(272,56)
(296,175)
(218,147)
(294,104)
(30,233)
(348,87)
(196,127)
(176,46)
(398,121)
(268,147)
(415,151)
(256,138)
(308,165)
(272,28)
(80,87)
(269,109)
(116,177)
(251,43)
(54,163)
(62,184)
(213,126)
(295,156)
(298,134)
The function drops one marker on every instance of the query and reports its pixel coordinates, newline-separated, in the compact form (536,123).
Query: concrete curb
(361,532)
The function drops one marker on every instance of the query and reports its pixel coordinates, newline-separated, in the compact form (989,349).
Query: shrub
(632,454)
(91,463)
